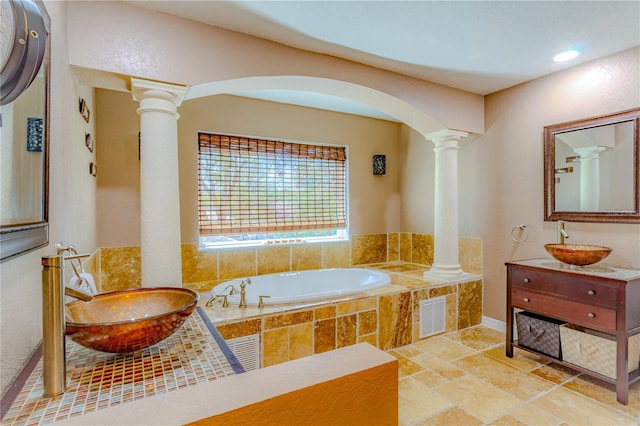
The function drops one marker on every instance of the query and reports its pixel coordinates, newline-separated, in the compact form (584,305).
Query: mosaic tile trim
(97,380)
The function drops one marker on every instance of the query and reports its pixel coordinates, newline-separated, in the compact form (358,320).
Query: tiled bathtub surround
(97,380)
(386,317)
(119,268)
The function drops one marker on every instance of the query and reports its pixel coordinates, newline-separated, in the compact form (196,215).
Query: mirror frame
(19,239)
(626,216)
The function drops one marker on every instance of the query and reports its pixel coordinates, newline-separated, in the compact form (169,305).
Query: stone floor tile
(530,415)
(444,348)
(452,416)
(478,397)
(477,338)
(416,401)
(555,373)
(518,383)
(406,367)
(507,421)
(443,368)
(576,409)
(523,360)
(606,393)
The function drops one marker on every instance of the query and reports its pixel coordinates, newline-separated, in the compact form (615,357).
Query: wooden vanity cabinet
(602,298)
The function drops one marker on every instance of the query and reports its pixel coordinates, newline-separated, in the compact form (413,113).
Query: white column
(445,256)
(159,191)
(590,177)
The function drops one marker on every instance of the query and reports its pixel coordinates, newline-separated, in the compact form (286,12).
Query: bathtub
(305,286)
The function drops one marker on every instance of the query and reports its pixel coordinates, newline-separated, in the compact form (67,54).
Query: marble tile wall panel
(395,320)
(274,259)
(198,266)
(237,264)
(275,346)
(300,341)
(324,334)
(371,248)
(336,255)
(120,268)
(469,304)
(422,249)
(405,246)
(306,257)
(288,319)
(240,329)
(393,247)
(470,255)
(347,334)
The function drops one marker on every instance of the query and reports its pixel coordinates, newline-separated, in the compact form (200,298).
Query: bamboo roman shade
(249,185)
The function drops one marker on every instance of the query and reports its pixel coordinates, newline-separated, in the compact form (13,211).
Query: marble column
(445,257)
(159,191)
(590,177)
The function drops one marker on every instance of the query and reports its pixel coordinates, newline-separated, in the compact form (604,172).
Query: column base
(449,273)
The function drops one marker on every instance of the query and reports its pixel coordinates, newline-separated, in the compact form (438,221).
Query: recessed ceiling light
(565,56)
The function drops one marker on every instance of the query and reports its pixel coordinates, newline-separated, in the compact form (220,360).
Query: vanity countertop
(97,380)
(602,271)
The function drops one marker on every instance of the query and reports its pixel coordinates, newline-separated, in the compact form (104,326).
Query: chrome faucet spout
(562,234)
(233,290)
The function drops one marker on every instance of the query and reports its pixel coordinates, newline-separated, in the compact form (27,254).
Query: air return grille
(433,316)
(247,350)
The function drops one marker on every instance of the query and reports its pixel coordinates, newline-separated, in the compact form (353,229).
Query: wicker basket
(596,351)
(539,333)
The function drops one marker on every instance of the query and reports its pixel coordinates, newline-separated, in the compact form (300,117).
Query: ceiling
(477,46)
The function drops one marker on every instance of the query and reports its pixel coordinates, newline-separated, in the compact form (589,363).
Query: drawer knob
(527,280)
(591,315)
(591,293)
(526,299)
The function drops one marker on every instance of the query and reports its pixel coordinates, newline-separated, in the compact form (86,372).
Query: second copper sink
(577,254)
(129,320)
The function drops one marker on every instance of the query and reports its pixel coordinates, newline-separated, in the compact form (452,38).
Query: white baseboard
(494,324)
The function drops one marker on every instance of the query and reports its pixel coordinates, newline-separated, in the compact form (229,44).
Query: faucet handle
(249,281)
(210,301)
(261,302)
(225,302)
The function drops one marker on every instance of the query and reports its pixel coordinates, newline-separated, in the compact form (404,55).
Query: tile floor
(463,378)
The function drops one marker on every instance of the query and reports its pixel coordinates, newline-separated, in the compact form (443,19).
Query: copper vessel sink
(129,320)
(577,254)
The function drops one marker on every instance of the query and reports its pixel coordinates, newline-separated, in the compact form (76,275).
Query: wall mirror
(24,125)
(591,169)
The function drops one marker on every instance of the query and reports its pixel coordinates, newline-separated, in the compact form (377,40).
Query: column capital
(144,89)
(446,134)
(590,152)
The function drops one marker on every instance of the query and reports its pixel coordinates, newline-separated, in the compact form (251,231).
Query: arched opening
(388,104)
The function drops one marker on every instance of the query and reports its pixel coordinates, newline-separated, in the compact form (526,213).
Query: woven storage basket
(595,351)
(539,333)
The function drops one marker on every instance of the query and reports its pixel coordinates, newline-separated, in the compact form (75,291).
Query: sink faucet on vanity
(562,234)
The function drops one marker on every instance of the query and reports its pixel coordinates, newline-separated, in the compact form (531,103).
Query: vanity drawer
(577,287)
(567,310)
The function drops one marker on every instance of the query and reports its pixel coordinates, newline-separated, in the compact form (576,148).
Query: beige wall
(501,173)
(71,208)
(110,40)
(374,201)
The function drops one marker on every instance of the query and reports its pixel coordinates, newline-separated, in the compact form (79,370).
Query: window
(252,190)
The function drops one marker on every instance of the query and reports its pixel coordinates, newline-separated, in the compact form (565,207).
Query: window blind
(249,185)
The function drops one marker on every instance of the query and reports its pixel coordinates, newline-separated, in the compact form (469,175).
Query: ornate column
(445,258)
(590,177)
(159,192)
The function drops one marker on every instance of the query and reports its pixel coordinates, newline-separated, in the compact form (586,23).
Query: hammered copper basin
(129,320)
(577,254)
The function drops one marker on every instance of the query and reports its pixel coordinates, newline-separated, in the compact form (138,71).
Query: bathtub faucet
(243,293)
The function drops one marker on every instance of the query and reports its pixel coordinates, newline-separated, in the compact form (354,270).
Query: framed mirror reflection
(24,126)
(591,169)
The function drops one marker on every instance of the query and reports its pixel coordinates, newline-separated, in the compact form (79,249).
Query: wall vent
(247,350)
(433,316)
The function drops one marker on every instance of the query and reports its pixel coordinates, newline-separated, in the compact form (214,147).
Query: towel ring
(520,233)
